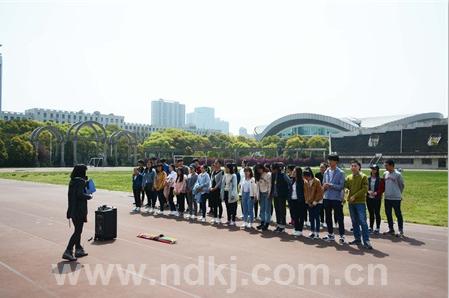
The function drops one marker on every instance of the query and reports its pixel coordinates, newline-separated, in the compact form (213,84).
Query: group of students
(319,197)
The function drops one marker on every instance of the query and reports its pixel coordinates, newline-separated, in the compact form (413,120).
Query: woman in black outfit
(77,211)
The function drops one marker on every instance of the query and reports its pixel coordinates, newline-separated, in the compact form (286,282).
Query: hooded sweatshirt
(394,185)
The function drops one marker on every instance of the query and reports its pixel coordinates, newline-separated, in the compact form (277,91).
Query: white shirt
(246,185)
(294,196)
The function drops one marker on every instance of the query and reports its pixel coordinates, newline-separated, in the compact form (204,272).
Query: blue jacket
(201,187)
(137,181)
(148,176)
(337,181)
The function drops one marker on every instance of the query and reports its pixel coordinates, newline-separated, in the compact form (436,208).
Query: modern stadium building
(414,141)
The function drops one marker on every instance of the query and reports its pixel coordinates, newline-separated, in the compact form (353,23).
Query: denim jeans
(248,207)
(314,216)
(358,218)
(265,208)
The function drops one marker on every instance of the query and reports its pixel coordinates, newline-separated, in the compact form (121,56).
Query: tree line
(16,149)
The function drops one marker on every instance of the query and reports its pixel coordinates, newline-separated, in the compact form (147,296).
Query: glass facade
(307,130)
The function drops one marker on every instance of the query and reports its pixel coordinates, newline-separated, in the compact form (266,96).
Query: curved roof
(305,118)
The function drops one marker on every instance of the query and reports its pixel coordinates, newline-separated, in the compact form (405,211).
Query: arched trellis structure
(132,143)
(56,133)
(100,137)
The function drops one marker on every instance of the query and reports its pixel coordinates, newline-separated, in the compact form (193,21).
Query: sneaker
(259,227)
(317,236)
(342,239)
(324,225)
(297,233)
(279,230)
(329,237)
(79,253)
(138,209)
(376,232)
(389,232)
(400,234)
(68,255)
(187,216)
(249,225)
(265,227)
(203,219)
(200,217)
(218,221)
(355,242)
(243,225)
(312,235)
(367,245)
(232,223)
(213,220)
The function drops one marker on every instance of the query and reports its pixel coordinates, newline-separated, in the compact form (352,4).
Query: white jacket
(253,187)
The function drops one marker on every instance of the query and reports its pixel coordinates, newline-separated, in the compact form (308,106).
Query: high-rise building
(204,118)
(168,114)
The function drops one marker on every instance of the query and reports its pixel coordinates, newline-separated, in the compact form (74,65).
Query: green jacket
(358,187)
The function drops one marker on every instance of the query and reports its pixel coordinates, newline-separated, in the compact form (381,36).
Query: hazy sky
(254,61)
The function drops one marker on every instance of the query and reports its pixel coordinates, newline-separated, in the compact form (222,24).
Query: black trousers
(322,215)
(280,209)
(151,195)
(231,208)
(75,239)
(256,208)
(170,198)
(160,196)
(137,200)
(192,204)
(180,200)
(396,205)
(373,205)
(297,211)
(337,207)
(215,204)
(142,193)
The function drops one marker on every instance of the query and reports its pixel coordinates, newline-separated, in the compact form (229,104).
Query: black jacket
(283,185)
(77,209)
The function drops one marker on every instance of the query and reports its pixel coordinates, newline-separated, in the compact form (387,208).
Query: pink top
(180,186)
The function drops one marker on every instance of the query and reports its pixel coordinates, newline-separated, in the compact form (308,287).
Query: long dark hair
(180,175)
(249,170)
(231,168)
(79,171)
(159,166)
(298,174)
(257,175)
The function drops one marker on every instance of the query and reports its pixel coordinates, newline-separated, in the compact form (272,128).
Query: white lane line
(28,279)
(104,261)
(168,252)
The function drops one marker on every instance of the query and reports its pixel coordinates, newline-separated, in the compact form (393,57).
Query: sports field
(425,198)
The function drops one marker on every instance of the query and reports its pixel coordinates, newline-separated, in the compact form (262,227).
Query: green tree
(20,152)
(317,142)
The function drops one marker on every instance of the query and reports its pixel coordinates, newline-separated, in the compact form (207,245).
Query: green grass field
(425,198)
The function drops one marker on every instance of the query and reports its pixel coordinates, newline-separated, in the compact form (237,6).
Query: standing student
(180,190)
(137,181)
(357,184)
(77,211)
(165,166)
(190,183)
(141,168)
(249,192)
(333,186)
(180,165)
(159,185)
(291,175)
(214,193)
(242,175)
(280,192)
(170,185)
(394,186)
(196,163)
(148,176)
(376,186)
(296,202)
(263,182)
(201,191)
(229,193)
(320,176)
(313,194)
